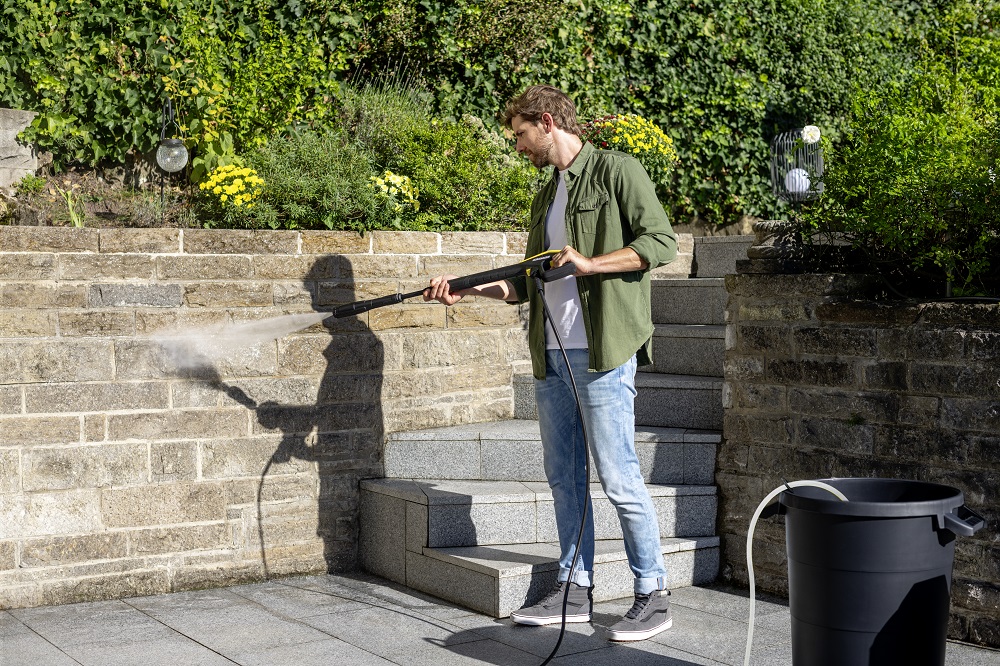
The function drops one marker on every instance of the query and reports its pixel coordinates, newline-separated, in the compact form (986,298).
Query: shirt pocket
(589,212)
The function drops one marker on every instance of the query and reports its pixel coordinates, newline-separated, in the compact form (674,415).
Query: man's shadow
(342,431)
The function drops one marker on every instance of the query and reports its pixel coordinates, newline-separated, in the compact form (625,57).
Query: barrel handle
(963,521)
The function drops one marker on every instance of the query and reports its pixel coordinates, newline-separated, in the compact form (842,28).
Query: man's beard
(541,158)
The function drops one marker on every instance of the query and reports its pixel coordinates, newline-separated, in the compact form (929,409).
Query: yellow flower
(223,197)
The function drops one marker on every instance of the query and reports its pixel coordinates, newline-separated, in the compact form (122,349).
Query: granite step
(692,301)
(512,451)
(662,401)
(688,349)
(497,580)
(716,256)
(446,513)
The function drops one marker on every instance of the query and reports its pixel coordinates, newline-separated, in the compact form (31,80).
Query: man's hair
(536,100)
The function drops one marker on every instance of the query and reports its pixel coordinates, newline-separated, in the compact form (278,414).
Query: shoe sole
(625,636)
(549,619)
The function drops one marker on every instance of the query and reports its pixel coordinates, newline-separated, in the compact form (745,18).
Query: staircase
(464,512)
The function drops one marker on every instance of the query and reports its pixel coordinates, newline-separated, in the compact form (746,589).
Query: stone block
(304,268)
(481,524)
(174,321)
(42,294)
(472,242)
(232,241)
(171,504)
(970,414)
(50,514)
(228,294)
(405,242)
(140,241)
(58,361)
(179,539)
(472,589)
(288,294)
(35,430)
(482,315)
(10,471)
(432,460)
(173,461)
(135,295)
(28,266)
(222,459)
(739,368)
(8,560)
(512,460)
(868,312)
(858,407)
(106,267)
(382,540)
(315,355)
(407,316)
(836,435)
(832,341)
(780,311)
(177,424)
(964,379)
(23,323)
(690,301)
(919,343)
(97,323)
(60,551)
(747,428)
(833,373)
(460,265)
(982,346)
(515,243)
(335,242)
(429,349)
(380,267)
(762,397)
(91,466)
(199,267)
(773,339)
(416,527)
(95,428)
(48,239)
(106,586)
(716,256)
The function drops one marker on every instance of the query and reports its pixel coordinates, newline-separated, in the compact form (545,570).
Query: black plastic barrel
(869,580)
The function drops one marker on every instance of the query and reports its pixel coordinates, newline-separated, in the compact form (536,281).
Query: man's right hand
(440,290)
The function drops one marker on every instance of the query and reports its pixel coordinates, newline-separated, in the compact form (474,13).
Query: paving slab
(363,620)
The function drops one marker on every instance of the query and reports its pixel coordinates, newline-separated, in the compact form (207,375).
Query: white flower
(810,134)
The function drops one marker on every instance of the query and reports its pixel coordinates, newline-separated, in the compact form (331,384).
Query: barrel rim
(834,506)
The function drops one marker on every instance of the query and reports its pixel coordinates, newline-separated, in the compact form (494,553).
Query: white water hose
(753,524)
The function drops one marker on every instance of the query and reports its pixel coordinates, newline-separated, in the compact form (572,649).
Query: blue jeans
(607,399)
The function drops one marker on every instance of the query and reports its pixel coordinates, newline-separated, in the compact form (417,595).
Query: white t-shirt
(562,295)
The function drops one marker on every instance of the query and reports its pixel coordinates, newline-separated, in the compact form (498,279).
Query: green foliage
(721,77)
(313,180)
(30,184)
(97,72)
(916,179)
(463,176)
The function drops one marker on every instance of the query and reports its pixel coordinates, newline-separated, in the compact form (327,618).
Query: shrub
(915,182)
(314,180)
(633,134)
(229,193)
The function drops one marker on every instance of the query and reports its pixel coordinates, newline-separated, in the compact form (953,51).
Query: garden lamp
(797,164)
(171,154)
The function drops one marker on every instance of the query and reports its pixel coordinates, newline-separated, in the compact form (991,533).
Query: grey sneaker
(649,615)
(579,607)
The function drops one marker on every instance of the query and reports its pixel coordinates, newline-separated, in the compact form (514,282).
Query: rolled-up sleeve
(654,240)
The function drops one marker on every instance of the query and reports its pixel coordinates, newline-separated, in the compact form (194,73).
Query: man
(600,210)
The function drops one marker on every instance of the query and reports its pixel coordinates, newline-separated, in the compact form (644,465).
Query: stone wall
(821,382)
(123,473)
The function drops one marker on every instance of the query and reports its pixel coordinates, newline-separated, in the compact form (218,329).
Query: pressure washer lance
(539,265)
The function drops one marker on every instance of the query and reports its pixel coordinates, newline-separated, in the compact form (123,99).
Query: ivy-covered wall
(720,77)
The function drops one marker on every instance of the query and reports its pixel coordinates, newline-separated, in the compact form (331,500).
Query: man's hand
(619,261)
(440,290)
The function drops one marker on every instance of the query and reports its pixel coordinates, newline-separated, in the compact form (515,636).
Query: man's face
(532,141)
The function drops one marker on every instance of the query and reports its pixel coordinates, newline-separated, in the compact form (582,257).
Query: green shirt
(611,204)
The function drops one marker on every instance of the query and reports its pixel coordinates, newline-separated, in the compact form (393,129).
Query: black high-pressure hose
(541,277)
